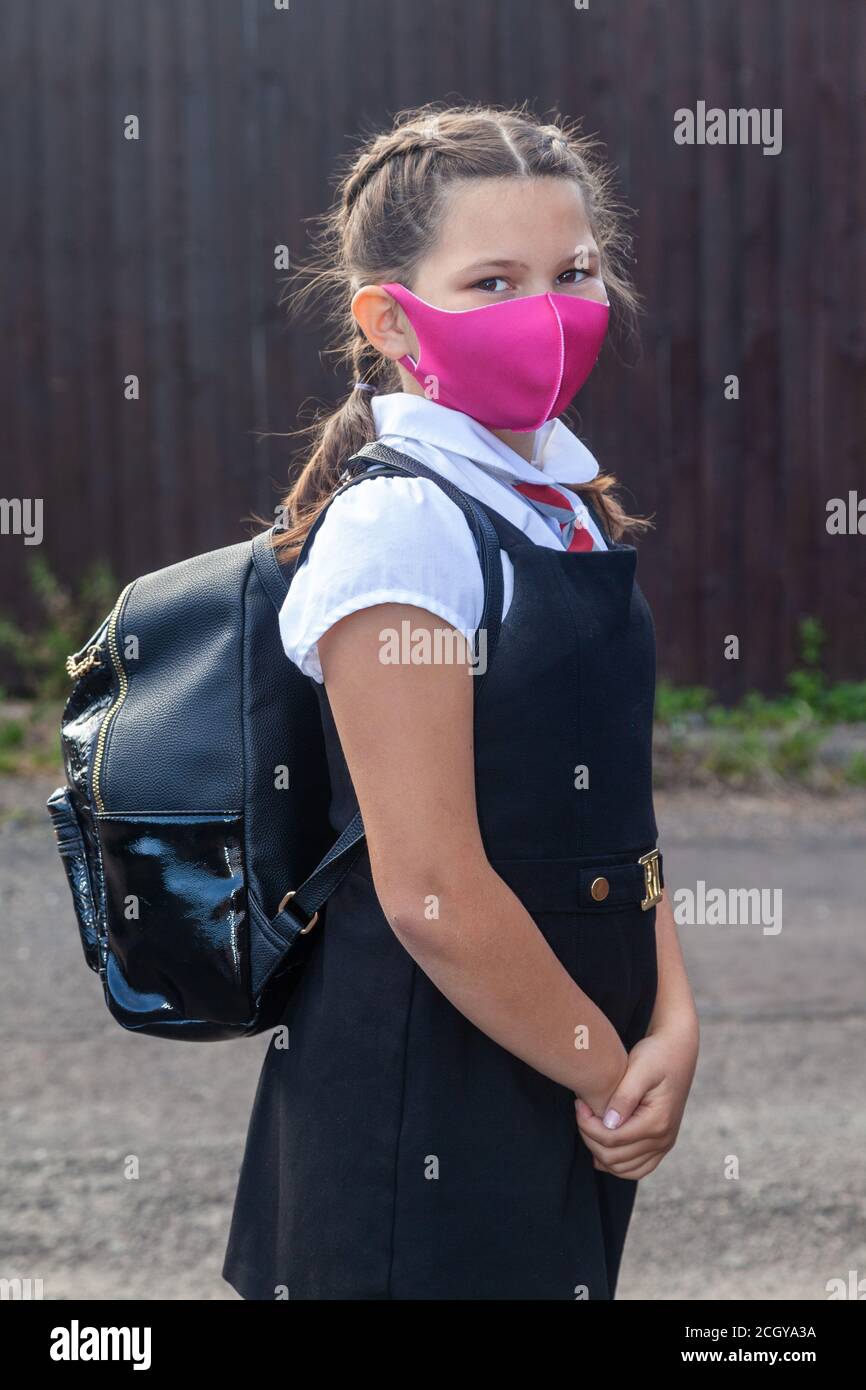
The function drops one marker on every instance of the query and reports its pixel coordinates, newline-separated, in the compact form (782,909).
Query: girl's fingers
(634,1153)
(633,1172)
(649,1121)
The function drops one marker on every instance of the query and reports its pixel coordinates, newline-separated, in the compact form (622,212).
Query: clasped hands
(642,1117)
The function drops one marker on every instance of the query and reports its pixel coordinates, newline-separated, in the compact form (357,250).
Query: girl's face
(505,238)
(499,239)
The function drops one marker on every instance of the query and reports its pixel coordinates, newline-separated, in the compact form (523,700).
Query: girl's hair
(385,219)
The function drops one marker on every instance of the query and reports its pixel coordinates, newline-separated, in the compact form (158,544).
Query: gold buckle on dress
(651,878)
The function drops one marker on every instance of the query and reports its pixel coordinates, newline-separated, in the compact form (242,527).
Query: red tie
(550,502)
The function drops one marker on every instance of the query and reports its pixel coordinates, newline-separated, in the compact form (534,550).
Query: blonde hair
(385,219)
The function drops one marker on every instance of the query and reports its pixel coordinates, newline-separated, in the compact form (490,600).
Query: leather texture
(176,896)
(198,791)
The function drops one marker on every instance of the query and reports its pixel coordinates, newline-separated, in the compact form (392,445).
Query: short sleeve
(385,540)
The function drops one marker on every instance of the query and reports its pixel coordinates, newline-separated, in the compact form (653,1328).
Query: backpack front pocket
(177,922)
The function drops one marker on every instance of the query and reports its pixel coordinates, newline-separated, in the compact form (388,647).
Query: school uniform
(394,1150)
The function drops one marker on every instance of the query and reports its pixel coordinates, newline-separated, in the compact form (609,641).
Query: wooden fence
(155,257)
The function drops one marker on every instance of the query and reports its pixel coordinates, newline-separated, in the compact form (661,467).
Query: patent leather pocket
(178,929)
(70,843)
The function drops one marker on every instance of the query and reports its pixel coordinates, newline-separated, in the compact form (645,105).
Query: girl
(494,1037)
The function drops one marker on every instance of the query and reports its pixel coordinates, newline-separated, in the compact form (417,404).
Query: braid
(400,143)
(365,361)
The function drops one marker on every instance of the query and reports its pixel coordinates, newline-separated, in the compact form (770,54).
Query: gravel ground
(779,1086)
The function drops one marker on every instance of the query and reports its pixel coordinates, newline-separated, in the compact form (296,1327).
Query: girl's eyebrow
(498,263)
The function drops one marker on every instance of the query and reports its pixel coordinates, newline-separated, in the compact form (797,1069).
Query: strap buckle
(287,899)
(652,880)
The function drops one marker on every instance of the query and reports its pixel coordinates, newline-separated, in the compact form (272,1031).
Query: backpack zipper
(123,686)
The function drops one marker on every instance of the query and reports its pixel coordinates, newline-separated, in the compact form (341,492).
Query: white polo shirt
(401,540)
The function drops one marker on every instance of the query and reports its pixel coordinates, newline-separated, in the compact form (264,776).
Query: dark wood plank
(157,258)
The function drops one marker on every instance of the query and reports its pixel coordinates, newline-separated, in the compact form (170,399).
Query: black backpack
(194,824)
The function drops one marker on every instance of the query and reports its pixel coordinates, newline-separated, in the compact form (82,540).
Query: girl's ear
(383,323)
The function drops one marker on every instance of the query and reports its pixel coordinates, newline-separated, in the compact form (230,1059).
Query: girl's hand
(643,1116)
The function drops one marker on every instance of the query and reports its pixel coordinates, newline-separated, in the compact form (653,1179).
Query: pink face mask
(511,365)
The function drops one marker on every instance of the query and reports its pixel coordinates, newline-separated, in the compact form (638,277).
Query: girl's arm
(407,734)
(675,1004)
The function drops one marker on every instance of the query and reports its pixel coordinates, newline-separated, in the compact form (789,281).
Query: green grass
(855,773)
(67,617)
(759,735)
(30,741)
(809,699)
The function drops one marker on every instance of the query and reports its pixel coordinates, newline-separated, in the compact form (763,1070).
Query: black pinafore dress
(394,1150)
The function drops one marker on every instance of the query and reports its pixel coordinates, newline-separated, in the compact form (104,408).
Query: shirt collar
(558,456)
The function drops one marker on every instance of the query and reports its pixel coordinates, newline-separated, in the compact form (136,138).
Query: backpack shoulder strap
(388,462)
(268,568)
(483,531)
(298,910)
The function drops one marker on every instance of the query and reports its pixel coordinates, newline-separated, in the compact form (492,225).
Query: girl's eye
(493,284)
(575,272)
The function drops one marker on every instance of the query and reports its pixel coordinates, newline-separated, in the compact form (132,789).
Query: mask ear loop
(407,356)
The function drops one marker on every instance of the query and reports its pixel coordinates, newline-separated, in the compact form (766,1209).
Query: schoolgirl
(494,1037)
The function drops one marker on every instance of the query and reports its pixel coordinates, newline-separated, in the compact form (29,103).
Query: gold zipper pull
(92,656)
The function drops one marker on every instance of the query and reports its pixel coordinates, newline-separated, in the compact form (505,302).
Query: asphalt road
(779,1092)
